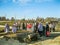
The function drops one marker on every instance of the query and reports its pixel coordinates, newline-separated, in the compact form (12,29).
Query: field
(2,23)
(54,38)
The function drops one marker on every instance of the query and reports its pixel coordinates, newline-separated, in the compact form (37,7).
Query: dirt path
(54,39)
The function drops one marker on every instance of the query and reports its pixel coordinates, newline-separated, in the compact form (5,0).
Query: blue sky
(30,8)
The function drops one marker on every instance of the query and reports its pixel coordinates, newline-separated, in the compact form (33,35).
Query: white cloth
(14,29)
(6,28)
(33,27)
(51,25)
(6,31)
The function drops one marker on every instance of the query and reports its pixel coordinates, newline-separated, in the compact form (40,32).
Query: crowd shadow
(43,38)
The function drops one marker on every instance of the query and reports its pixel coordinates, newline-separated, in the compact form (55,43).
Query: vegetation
(1,29)
(9,22)
(4,20)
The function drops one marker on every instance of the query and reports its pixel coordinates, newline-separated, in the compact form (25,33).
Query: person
(33,26)
(18,25)
(40,29)
(53,27)
(50,27)
(44,30)
(36,27)
(47,29)
(23,26)
(29,27)
(14,29)
(26,26)
(6,28)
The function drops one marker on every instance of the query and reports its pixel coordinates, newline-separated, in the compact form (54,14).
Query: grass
(1,29)
(55,41)
(10,23)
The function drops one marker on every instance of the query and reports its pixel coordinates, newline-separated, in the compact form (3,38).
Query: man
(19,25)
(50,27)
(44,30)
(40,29)
(53,27)
(36,27)
(23,26)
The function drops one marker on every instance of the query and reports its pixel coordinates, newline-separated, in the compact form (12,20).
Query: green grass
(58,27)
(10,23)
(1,29)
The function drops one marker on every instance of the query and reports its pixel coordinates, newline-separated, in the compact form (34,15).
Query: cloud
(29,2)
(39,1)
(14,0)
(22,1)
(26,1)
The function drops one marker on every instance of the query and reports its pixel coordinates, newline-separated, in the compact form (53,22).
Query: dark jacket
(47,27)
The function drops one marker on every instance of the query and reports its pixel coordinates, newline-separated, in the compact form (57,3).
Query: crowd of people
(15,27)
(45,29)
(34,27)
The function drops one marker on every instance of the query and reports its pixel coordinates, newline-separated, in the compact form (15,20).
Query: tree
(40,19)
(0,18)
(7,19)
(58,19)
(12,18)
(23,19)
(3,18)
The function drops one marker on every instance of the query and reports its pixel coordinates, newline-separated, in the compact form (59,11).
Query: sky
(29,9)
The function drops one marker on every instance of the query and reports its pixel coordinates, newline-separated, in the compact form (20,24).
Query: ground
(53,39)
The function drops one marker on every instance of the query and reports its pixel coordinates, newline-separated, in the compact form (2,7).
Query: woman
(47,29)
(6,28)
(36,27)
(14,29)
